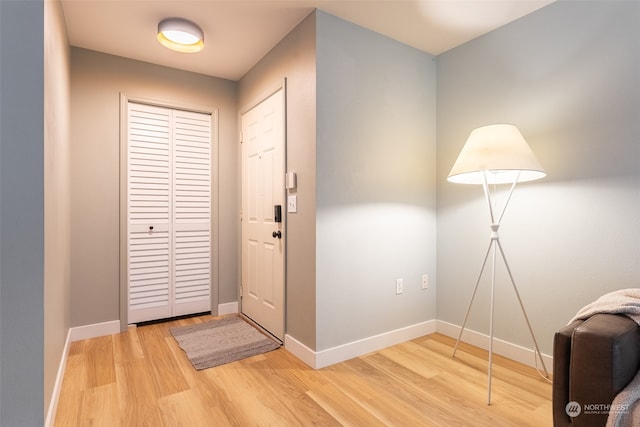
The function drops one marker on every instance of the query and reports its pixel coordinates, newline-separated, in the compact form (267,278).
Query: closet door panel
(192,212)
(149,212)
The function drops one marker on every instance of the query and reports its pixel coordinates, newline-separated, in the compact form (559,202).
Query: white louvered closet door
(169,212)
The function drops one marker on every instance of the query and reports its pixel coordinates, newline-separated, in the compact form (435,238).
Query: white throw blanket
(625,408)
(624,301)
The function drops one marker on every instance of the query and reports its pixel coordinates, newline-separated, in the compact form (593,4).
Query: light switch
(292,204)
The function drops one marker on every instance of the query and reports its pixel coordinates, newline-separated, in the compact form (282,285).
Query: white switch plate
(292,204)
(399,286)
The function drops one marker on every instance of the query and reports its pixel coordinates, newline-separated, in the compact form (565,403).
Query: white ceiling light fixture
(180,35)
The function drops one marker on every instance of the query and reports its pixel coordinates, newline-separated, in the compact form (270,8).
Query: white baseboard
(524,355)
(227,308)
(57,386)
(320,359)
(300,351)
(93,331)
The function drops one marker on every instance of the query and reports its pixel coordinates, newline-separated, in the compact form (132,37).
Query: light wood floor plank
(127,346)
(297,407)
(342,408)
(99,362)
(437,405)
(99,406)
(143,378)
(166,373)
(137,394)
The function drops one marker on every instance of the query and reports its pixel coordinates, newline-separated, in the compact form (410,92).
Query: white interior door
(168,212)
(263,239)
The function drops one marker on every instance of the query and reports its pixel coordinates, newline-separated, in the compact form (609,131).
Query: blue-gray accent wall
(375,201)
(568,76)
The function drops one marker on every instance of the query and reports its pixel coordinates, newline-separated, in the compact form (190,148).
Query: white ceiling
(238,33)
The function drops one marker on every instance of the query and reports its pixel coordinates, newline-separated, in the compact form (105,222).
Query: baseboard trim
(320,359)
(227,308)
(57,386)
(524,355)
(300,351)
(93,331)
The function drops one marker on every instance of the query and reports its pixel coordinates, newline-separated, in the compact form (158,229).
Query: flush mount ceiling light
(180,35)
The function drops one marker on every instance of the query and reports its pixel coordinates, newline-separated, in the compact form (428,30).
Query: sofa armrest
(604,358)
(561,362)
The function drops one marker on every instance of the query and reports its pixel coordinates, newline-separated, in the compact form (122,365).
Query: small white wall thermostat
(290,180)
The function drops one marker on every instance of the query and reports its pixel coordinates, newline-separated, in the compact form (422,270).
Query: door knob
(277,234)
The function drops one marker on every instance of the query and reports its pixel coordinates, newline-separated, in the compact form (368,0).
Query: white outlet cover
(425,281)
(399,286)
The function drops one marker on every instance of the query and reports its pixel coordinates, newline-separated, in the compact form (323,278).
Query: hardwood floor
(142,378)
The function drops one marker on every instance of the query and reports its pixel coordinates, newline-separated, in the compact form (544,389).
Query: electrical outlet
(399,286)
(425,281)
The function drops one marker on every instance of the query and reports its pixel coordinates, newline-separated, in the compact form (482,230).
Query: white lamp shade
(180,35)
(497,153)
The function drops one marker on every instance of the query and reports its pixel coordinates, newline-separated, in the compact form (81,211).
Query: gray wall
(567,76)
(57,281)
(96,82)
(294,58)
(21,213)
(376,165)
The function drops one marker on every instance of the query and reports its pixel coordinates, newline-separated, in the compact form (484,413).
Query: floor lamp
(492,155)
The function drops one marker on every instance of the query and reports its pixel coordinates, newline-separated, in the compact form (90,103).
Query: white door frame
(124,229)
